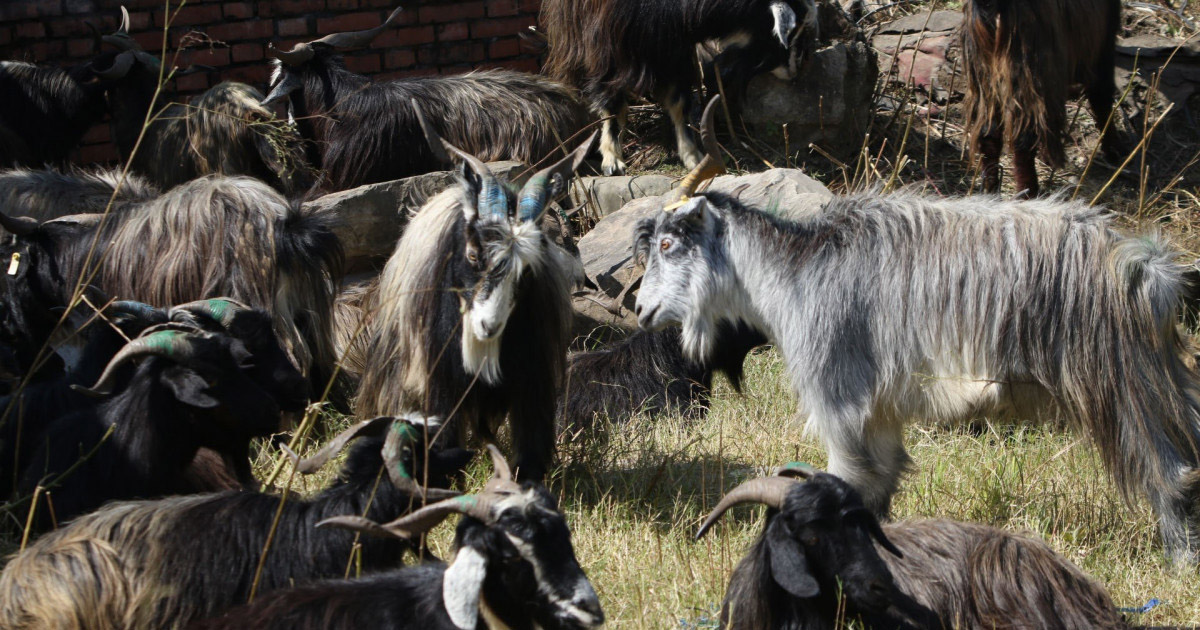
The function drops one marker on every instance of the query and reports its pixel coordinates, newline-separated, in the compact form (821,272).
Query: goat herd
(156,323)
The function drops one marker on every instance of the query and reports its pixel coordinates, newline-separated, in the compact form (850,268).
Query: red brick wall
(429,37)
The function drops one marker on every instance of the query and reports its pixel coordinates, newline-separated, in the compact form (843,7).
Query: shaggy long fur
(160,564)
(613,50)
(222,131)
(49,194)
(647,373)
(212,237)
(422,358)
(951,575)
(364,132)
(899,307)
(1022,58)
(45,112)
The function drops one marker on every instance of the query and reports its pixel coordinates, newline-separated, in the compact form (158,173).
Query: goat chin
(482,356)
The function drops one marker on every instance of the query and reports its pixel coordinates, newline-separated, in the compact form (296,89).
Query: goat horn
(798,470)
(402,432)
(358,39)
(299,54)
(124,28)
(163,341)
(21,226)
(367,428)
(712,164)
(220,310)
(136,310)
(767,490)
(119,68)
(492,200)
(551,182)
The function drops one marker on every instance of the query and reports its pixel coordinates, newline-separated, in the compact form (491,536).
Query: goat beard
(482,356)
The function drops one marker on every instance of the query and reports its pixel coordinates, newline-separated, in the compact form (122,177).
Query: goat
(224,130)
(647,373)
(214,236)
(614,49)
(364,132)
(820,544)
(51,194)
(160,564)
(1022,58)
(474,271)
(888,308)
(514,568)
(189,390)
(46,111)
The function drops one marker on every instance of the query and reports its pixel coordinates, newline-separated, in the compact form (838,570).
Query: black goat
(647,373)
(817,564)
(160,564)
(215,236)
(514,568)
(472,314)
(224,130)
(45,111)
(190,390)
(364,132)
(51,194)
(615,49)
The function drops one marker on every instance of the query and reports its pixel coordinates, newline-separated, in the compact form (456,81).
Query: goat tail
(1154,278)
(309,260)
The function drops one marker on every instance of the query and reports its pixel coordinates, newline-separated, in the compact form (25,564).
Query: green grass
(635,494)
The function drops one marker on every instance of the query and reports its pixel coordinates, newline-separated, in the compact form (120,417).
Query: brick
(238,10)
(382,4)
(507,47)
(341,5)
(364,64)
(209,57)
(399,59)
(503,26)
(240,31)
(254,74)
(399,37)
(452,32)
(68,27)
(417,72)
(451,12)
(31,30)
(192,83)
(442,55)
(18,10)
(46,50)
(350,22)
(247,52)
(290,8)
(98,154)
(77,48)
(138,21)
(531,6)
(189,15)
(6,35)
(503,8)
(150,40)
(292,27)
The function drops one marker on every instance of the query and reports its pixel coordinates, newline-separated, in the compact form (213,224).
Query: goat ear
(789,565)
(462,586)
(472,183)
(694,212)
(188,387)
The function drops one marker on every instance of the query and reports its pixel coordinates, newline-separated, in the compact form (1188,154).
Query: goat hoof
(615,168)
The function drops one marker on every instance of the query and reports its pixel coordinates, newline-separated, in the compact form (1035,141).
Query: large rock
(607,250)
(829,102)
(601,196)
(369,219)
(917,50)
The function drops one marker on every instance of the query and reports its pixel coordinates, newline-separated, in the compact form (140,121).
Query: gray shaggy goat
(214,236)
(364,132)
(1023,59)
(823,561)
(471,318)
(50,194)
(892,308)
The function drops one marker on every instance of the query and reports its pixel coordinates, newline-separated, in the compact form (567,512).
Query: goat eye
(472,257)
(665,244)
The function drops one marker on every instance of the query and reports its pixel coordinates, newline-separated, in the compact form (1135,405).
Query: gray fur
(49,194)
(898,307)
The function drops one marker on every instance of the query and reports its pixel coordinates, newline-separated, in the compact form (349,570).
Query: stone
(601,196)
(368,220)
(916,50)
(607,250)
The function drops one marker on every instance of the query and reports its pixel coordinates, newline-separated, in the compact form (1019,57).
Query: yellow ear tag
(677,205)
(14,264)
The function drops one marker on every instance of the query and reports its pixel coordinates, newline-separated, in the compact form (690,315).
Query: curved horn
(358,39)
(220,310)
(135,310)
(403,433)
(124,28)
(502,471)
(367,428)
(298,55)
(712,164)
(492,202)
(97,38)
(172,343)
(768,490)
(120,67)
(798,470)
(21,226)
(551,182)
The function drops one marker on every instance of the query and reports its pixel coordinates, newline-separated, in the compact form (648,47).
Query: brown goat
(1023,58)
